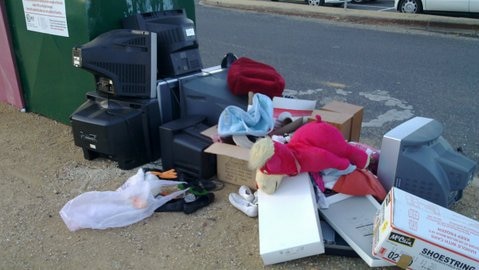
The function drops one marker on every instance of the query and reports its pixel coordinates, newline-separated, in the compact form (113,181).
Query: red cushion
(360,183)
(245,75)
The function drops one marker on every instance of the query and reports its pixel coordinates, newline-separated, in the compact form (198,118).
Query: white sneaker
(255,200)
(249,208)
(246,193)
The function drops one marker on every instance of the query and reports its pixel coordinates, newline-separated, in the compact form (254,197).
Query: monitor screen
(122,61)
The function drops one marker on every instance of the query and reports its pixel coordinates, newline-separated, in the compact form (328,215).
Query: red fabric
(324,136)
(360,183)
(245,75)
(291,161)
(373,156)
(314,147)
(282,162)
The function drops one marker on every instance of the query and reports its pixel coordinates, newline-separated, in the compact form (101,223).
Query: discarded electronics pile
(153,99)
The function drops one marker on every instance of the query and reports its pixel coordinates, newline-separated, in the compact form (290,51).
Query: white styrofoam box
(288,220)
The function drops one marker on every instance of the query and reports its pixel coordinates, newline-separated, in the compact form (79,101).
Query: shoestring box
(356,113)
(288,221)
(414,233)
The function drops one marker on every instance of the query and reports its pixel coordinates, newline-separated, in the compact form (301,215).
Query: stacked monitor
(120,119)
(148,74)
(122,61)
(178,52)
(152,46)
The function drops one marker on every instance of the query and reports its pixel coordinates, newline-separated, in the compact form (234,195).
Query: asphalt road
(394,73)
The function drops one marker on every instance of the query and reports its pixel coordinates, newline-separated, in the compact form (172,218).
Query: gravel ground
(41,169)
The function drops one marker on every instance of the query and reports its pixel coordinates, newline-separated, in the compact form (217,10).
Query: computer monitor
(208,95)
(416,158)
(122,61)
(124,130)
(178,52)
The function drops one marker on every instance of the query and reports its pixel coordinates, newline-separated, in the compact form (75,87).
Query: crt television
(416,158)
(124,130)
(122,61)
(178,52)
(208,95)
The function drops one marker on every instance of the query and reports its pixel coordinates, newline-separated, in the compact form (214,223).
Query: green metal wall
(51,85)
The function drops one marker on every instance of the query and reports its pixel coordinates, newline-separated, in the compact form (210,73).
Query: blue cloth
(331,176)
(257,121)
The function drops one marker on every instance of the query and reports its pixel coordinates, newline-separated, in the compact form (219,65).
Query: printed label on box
(414,233)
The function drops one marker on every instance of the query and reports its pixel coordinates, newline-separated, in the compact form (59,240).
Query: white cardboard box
(352,217)
(414,233)
(296,107)
(288,222)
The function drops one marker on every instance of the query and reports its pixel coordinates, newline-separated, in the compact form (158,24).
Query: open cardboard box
(341,121)
(355,112)
(232,160)
(296,108)
(232,164)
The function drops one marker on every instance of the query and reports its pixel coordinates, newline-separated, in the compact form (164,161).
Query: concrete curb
(465,26)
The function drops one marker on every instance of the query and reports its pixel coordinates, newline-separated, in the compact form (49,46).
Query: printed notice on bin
(46,16)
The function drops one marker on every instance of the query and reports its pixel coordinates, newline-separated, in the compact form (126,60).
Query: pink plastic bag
(135,200)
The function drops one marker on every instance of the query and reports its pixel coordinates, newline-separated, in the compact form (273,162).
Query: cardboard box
(295,107)
(341,121)
(289,128)
(414,233)
(352,217)
(232,164)
(288,222)
(232,160)
(354,110)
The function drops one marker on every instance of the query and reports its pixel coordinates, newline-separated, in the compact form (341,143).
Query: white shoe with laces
(246,193)
(247,207)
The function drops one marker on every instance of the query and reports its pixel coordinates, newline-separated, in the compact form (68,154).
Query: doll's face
(268,183)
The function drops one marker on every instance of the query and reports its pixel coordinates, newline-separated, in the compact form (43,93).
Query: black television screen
(208,95)
(178,52)
(122,61)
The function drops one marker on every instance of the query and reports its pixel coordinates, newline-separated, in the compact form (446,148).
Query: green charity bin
(43,35)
